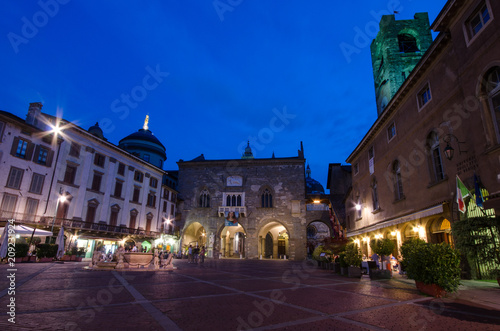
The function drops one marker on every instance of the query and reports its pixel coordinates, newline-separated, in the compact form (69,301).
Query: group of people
(135,249)
(196,254)
(386,260)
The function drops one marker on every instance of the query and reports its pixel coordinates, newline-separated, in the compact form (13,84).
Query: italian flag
(462,193)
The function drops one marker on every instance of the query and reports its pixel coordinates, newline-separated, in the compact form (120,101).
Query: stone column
(229,247)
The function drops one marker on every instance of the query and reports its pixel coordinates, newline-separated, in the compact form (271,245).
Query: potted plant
(80,254)
(320,254)
(434,267)
(383,248)
(21,252)
(46,252)
(353,260)
(73,251)
(66,256)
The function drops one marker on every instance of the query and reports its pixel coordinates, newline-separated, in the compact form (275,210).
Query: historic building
(248,207)
(398,47)
(321,224)
(27,164)
(339,183)
(63,175)
(443,121)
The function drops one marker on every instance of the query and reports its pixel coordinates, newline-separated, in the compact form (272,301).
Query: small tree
(22,250)
(353,255)
(432,263)
(317,252)
(382,246)
(46,250)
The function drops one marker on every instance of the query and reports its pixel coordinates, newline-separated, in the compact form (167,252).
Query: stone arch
(230,241)
(388,234)
(316,232)
(194,233)
(408,230)
(487,94)
(439,230)
(281,239)
(408,40)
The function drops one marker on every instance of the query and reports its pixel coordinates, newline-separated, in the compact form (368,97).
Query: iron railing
(70,224)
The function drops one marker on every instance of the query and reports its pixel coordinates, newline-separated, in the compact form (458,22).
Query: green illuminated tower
(395,51)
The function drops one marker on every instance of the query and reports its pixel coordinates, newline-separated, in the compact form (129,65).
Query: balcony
(84,227)
(241,210)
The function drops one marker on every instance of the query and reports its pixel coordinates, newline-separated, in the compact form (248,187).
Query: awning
(403,219)
(24,230)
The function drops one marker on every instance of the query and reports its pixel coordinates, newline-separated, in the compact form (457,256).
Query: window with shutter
(15,178)
(74,149)
(137,192)
(37,183)
(20,147)
(8,205)
(42,155)
(31,207)
(69,175)
(118,189)
(99,160)
(96,181)
(121,169)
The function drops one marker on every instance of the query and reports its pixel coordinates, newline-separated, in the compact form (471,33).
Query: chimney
(34,112)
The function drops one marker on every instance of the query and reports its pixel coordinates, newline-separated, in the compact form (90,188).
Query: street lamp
(450,151)
(62,198)
(167,222)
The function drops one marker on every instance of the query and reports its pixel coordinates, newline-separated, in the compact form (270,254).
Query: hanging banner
(231,219)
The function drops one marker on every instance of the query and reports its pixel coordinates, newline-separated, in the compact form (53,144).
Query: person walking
(196,252)
(190,254)
(202,254)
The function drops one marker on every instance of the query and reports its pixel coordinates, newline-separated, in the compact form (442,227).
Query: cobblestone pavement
(229,295)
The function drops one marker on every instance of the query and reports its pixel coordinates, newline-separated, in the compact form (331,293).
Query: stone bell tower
(395,51)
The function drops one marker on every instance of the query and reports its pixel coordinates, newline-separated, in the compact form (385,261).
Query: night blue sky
(210,78)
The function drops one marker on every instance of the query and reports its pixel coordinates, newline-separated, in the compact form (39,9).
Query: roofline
(236,161)
(104,142)
(19,120)
(430,54)
(442,15)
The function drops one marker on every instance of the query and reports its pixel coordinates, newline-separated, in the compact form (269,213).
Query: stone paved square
(229,295)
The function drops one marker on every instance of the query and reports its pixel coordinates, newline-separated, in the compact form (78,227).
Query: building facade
(27,166)
(442,123)
(248,207)
(63,175)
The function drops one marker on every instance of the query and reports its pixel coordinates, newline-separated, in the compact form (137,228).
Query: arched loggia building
(248,207)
